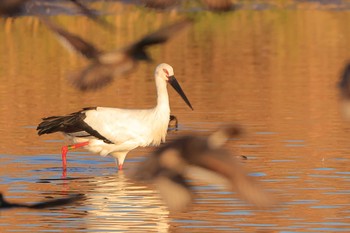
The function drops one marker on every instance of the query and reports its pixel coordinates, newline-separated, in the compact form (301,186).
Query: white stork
(115,131)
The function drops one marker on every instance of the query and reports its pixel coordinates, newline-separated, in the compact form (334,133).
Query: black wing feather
(72,123)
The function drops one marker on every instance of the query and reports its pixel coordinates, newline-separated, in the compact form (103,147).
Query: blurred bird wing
(219,5)
(344,83)
(227,167)
(56,202)
(93,77)
(207,176)
(5,204)
(161,35)
(92,14)
(8,4)
(174,192)
(159,4)
(72,41)
(102,72)
(147,170)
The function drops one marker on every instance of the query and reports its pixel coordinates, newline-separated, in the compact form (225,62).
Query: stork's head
(166,72)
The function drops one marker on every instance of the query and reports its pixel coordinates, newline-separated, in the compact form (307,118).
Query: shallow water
(272,70)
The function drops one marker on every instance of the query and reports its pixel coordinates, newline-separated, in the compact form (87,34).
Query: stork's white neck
(162,96)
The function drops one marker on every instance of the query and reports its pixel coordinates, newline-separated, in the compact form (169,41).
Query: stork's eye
(166,71)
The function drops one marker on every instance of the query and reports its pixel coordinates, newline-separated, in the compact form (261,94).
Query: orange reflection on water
(273,71)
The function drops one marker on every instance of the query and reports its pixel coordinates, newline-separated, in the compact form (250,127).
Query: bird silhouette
(212,5)
(12,8)
(160,4)
(105,66)
(344,88)
(41,205)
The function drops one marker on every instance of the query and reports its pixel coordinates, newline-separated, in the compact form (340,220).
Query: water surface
(272,70)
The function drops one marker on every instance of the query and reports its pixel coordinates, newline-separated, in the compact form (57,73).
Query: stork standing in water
(115,131)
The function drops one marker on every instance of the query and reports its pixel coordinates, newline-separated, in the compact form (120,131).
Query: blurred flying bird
(212,5)
(11,8)
(218,5)
(160,4)
(91,14)
(344,86)
(105,66)
(204,157)
(344,83)
(41,205)
(115,131)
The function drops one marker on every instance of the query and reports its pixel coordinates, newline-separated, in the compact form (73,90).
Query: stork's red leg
(65,149)
(64,157)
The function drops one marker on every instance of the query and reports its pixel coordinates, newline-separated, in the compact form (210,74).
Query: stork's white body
(127,129)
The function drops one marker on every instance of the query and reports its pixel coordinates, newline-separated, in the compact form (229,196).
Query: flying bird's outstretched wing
(41,205)
(72,41)
(92,14)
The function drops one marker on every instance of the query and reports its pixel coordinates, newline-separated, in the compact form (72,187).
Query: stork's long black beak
(173,82)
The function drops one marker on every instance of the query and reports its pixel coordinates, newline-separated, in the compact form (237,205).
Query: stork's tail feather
(52,124)
(66,124)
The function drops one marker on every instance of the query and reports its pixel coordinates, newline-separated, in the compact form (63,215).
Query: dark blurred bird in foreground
(344,86)
(212,5)
(105,66)
(202,157)
(41,205)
